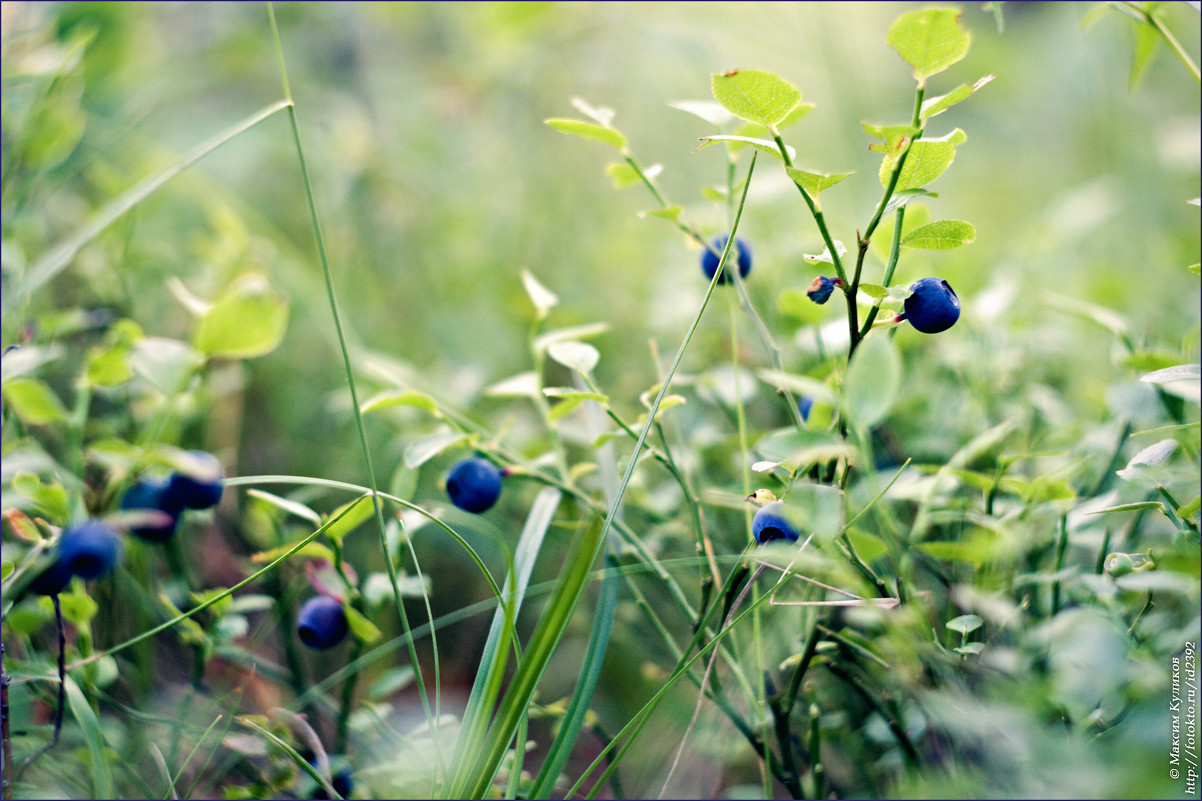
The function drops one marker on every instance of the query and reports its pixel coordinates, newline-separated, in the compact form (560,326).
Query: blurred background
(438,183)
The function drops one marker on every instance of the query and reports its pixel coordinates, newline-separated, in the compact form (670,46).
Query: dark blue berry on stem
(474,484)
(199,485)
(772,522)
(821,288)
(709,258)
(90,549)
(154,495)
(321,622)
(932,306)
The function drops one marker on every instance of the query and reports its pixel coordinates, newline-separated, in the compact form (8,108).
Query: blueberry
(933,306)
(804,405)
(709,257)
(154,495)
(474,484)
(321,623)
(89,550)
(772,522)
(821,288)
(199,487)
(53,580)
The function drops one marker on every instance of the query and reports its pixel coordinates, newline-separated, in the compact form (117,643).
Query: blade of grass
(346,361)
(53,261)
(487,685)
(102,774)
(475,777)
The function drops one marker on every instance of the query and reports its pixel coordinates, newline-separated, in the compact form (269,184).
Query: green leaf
(1129,507)
(1195,268)
(926,160)
(904,197)
(426,448)
(763,145)
(357,512)
(569,392)
(408,397)
(874,291)
(292,507)
(941,235)
(364,630)
(522,385)
(1180,372)
(247,321)
(708,110)
(872,381)
(622,174)
(970,648)
(671,213)
(1146,39)
(929,40)
(814,182)
(165,364)
(543,341)
(589,130)
(1107,318)
(543,299)
(938,105)
(964,624)
(1144,466)
(825,256)
(756,96)
(34,402)
(27,359)
(579,356)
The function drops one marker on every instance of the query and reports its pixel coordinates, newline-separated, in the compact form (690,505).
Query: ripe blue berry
(200,486)
(53,579)
(154,495)
(933,306)
(321,622)
(90,549)
(474,484)
(771,522)
(804,404)
(709,258)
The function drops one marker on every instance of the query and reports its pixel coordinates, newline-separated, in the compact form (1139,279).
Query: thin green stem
(815,212)
(360,427)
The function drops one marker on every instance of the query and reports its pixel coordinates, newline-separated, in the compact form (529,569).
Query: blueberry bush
(369,430)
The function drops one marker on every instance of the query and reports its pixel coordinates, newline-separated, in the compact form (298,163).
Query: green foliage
(999,523)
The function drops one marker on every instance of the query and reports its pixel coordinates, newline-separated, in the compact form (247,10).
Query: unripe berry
(771,522)
(474,484)
(932,307)
(821,288)
(153,494)
(90,549)
(199,487)
(321,622)
(709,258)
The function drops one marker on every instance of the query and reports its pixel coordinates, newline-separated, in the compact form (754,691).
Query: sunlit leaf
(34,402)
(938,105)
(941,235)
(872,381)
(248,320)
(756,96)
(929,40)
(589,130)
